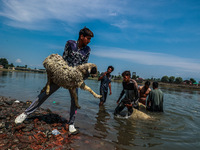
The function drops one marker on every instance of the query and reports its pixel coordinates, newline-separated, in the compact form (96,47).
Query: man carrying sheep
(75,53)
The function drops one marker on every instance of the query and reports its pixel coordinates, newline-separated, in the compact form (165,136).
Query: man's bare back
(143,93)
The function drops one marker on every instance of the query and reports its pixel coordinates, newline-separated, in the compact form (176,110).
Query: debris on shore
(35,132)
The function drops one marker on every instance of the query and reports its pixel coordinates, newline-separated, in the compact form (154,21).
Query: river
(176,128)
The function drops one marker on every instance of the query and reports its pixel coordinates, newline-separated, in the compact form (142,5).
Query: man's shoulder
(157,91)
(140,87)
(133,81)
(71,41)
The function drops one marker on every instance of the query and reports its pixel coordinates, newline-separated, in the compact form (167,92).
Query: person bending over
(130,100)
(75,53)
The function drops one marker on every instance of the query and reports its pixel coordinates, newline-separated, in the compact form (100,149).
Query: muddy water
(176,128)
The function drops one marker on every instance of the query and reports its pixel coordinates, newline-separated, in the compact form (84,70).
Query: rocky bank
(35,132)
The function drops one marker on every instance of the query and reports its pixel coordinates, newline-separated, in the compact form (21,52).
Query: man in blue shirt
(105,83)
(75,53)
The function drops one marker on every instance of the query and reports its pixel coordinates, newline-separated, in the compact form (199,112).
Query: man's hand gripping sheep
(60,73)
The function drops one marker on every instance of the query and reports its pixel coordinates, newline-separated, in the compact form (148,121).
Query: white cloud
(149,58)
(32,13)
(39,15)
(18,61)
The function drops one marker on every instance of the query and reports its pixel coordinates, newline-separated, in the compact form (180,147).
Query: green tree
(165,79)
(11,65)
(192,80)
(4,62)
(178,80)
(171,79)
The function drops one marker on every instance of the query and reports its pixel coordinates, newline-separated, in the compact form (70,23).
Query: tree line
(177,80)
(4,62)
(165,79)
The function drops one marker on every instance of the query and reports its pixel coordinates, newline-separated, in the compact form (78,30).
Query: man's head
(85,36)
(155,85)
(110,69)
(126,76)
(147,84)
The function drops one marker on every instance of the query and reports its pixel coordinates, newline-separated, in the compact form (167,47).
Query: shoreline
(161,84)
(36,131)
(30,71)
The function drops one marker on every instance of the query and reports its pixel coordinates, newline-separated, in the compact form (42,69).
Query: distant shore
(161,84)
(24,70)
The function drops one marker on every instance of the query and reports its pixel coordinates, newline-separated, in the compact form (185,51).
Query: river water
(177,128)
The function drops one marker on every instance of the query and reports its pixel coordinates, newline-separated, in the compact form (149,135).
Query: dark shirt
(155,100)
(105,82)
(75,56)
(130,91)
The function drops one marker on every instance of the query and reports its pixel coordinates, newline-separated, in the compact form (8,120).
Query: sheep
(68,77)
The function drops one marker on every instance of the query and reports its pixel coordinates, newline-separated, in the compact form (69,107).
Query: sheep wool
(62,74)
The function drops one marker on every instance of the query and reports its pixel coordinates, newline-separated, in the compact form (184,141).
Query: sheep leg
(74,96)
(44,88)
(47,86)
(87,88)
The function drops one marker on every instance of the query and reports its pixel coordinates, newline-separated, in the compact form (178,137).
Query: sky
(153,38)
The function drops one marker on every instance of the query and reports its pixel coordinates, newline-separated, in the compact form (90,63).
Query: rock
(2,125)
(1,104)
(9,102)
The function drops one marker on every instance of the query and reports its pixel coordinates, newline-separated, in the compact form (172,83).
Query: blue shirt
(105,82)
(75,56)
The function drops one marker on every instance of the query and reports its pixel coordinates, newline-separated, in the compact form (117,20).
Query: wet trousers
(104,95)
(120,107)
(43,96)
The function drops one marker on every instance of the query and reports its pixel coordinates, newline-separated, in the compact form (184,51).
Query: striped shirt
(75,56)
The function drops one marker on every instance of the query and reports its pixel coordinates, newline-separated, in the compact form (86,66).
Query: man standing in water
(105,83)
(75,53)
(130,89)
(144,92)
(155,100)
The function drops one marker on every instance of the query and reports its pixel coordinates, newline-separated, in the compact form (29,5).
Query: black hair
(126,73)
(86,32)
(155,84)
(111,68)
(147,83)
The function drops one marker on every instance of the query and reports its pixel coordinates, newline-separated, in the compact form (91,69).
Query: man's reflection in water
(101,126)
(126,133)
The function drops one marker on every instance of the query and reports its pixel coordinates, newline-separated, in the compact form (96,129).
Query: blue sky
(150,37)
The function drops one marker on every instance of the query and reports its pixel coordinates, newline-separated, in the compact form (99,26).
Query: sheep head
(88,69)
